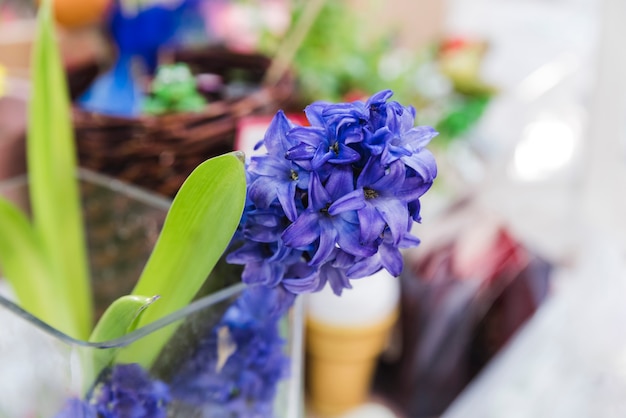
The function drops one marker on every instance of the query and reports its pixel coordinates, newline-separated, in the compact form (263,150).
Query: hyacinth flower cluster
(329,202)
(125,391)
(236,368)
(335,200)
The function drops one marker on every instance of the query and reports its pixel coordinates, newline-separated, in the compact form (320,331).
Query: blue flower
(317,223)
(265,263)
(333,128)
(334,271)
(377,202)
(237,366)
(129,392)
(302,278)
(387,257)
(276,176)
(76,408)
(335,199)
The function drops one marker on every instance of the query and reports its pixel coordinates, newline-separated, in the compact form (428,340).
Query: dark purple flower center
(369,193)
(324,210)
(335,148)
(293,175)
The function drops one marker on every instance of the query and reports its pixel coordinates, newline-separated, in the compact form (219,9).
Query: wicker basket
(159,152)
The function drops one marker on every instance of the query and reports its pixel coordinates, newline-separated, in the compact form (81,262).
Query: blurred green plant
(174,90)
(339,60)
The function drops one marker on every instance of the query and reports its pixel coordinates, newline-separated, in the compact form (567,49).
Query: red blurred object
(462,299)
(453,44)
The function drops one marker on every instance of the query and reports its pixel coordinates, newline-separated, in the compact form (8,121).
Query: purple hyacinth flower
(334,271)
(302,278)
(77,408)
(276,176)
(333,128)
(376,201)
(129,392)
(317,224)
(235,369)
(265,263)
(388,257)
(377,106)
(406,142)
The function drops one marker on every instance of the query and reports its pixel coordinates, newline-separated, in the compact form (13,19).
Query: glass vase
(42,369)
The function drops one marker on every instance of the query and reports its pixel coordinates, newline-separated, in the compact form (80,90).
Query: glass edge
(127,339)
(138,193)
(295,395)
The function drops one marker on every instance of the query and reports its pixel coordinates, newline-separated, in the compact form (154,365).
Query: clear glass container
(41,368)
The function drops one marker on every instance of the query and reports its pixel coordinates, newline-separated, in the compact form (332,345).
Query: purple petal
(423,162)
(372,172)
(392,179)
(391,259)
(301,152)
(340,182)
(379,98)
(352,201)
(395,213)
(345,155)
(364,268)
(309,135)
(318,196)
(286,196)
(326,246)
(349,240)
(275,139)
(371,224)
(263,192)
(336,277)
(378,141)
(303,231)
(264,165)
(412,189)
(322,155)
(313,113)
(265,273)
(247,253)
(303,283)
(418,137)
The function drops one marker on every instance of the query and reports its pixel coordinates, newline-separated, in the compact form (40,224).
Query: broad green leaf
(120,318)
(54,194)
(199,226)
(25,266)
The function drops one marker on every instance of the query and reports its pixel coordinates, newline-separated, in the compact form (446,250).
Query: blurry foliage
(339,60)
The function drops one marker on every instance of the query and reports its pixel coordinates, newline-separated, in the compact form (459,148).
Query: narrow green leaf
(51,157)
(120,318)
(25,266)
(199,226)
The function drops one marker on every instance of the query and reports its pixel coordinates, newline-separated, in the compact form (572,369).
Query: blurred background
(513,306)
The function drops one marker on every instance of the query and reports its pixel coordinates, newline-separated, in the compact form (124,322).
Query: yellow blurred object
(461,60)
(340,363)
(3,86)
(79,13)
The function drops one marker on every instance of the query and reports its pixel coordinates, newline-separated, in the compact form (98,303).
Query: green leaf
(120,318)
(54,194)
(25,266)
(199,226)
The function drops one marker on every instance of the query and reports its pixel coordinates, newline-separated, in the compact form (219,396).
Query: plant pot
(158,152)
(41,368)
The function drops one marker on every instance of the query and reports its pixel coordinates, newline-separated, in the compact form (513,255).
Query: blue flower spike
(338,197)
